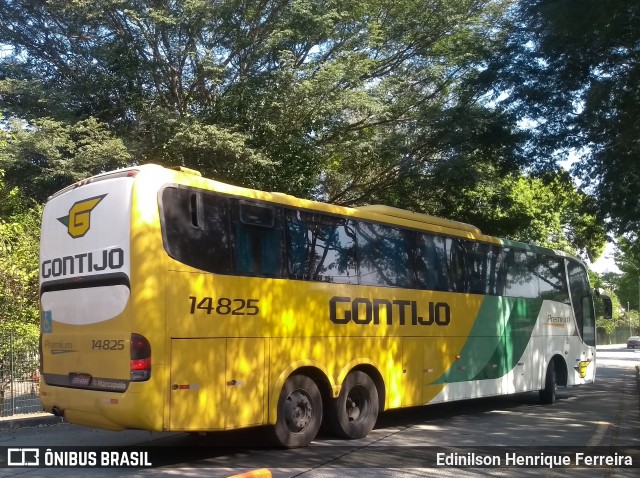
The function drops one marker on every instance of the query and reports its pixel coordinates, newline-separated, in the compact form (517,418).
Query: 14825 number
(224,306)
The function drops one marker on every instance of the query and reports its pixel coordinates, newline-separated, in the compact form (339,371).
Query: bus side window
(195,229)
(383,255)
(426,263)
(438,263)
(521,274)
(258,241)
(582,301)
(477,268)
(499,271)
(552,279)
(320,248)
(455,264)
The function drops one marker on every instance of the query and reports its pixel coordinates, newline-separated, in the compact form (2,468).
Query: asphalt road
(600,419)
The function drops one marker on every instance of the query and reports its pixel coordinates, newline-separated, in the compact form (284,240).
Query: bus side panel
(495,356)
(412,360)
(148,294)
(556,334)
(245,386)
(197,384)
(217,384)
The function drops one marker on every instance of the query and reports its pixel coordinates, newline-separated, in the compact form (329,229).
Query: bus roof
(375,212)
(395,212)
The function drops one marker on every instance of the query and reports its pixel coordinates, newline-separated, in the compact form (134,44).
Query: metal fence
(19,376)
(619,335)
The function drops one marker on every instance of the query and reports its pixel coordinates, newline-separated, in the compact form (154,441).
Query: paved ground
(603,415)
(43,418)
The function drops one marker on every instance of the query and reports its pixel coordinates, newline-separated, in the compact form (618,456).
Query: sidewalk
(29,420)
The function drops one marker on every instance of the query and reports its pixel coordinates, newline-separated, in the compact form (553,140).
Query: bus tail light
(140,358)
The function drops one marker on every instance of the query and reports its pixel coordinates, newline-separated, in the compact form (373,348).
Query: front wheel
(548,393)
(299,412)
(354,413)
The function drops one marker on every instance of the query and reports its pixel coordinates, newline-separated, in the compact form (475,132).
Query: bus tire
(548,393)
(299,412)
(354,413)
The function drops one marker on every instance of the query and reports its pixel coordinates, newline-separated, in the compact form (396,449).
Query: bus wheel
(299,412)
(548,393)
(354,413)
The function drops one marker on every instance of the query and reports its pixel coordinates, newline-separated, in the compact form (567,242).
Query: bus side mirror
(606,302)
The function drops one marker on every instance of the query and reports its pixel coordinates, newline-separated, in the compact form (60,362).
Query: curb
(39,420)
(261,473)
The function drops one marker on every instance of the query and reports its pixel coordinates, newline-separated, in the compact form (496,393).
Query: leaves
(48,155)
(19,253)
(348,102)
(571,70)
(297,80)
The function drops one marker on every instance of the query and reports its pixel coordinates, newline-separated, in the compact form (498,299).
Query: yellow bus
(171,302)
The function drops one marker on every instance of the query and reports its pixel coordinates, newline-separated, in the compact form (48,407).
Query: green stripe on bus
(496,341)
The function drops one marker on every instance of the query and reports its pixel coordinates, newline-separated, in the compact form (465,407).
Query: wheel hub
(353,410)
(298,411)
(356,404)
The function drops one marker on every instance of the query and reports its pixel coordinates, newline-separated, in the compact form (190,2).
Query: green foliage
(626,288)
(607,326)
(4,135)
(18,353)
(547,210)
(295,95)
(223,153)
(350,102)
(19,252)
(627,259)
(572,70)
(47,155)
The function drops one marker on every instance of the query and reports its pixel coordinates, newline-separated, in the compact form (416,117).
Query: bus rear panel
(92,358)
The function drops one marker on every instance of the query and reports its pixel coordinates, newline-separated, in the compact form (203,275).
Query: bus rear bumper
(107,410)
(89,419)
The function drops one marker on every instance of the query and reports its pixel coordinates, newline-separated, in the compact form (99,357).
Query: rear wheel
(299,412)
(548,393)
(354,413)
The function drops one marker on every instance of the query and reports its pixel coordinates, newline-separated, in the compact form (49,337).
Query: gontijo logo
(78,221)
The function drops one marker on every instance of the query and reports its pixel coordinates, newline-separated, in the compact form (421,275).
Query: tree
(571,70)
(3,133)
(19,252)
(627,259)
(607,329)
(348,102)
(295,95)
(546,210)
(48,155)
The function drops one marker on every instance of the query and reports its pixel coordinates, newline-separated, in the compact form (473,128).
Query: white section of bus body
(85,306)
(85,252)
(554,334)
